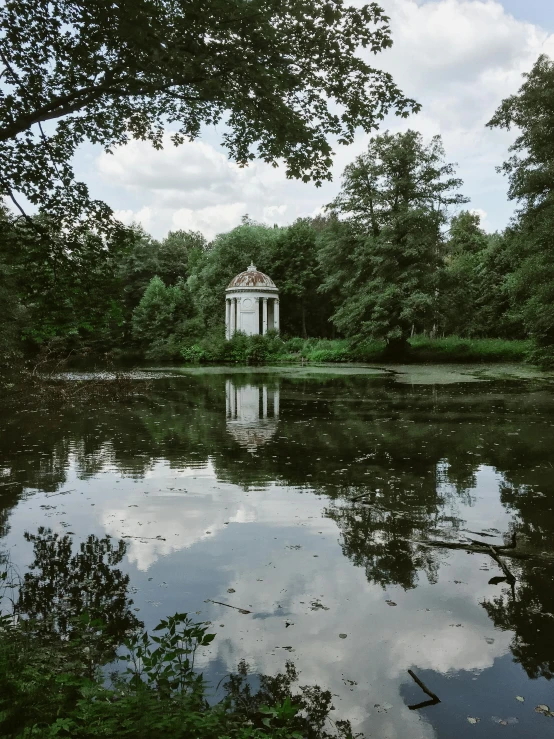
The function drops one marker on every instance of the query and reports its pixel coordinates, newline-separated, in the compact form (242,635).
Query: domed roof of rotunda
(252,278)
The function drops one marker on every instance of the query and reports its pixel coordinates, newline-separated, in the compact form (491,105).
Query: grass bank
(272,348)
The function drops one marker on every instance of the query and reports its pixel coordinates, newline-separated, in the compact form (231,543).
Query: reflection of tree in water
(62,586)
(379,539)
(529,613)
(406,447)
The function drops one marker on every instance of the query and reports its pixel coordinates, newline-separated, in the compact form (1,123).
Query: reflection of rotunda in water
(252,413)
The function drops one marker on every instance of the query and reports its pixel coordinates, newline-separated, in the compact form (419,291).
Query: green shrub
(47,689)
(193,354)
(242,349)
(456,349)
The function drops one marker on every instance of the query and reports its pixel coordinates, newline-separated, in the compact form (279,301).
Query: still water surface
(304,496)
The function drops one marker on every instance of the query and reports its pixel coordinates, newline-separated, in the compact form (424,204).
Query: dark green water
(247,488)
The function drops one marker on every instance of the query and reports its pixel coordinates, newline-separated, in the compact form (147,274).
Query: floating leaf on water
(505,721)
(520,698)
(343,636)
(473,720)
(489,640)
(542,708)
(231,590)
(390,602)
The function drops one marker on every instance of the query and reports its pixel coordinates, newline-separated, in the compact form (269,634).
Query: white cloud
(144,216)
(211,220)
(458,58)
(196,187)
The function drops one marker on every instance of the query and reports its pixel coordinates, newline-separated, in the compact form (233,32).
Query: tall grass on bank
(243,349)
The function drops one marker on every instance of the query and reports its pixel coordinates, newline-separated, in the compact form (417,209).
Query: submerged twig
(434,698)
(360,496)
(494,554)
(482,548)
(219,603)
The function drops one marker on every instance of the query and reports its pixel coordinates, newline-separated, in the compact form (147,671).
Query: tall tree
(530,171)
(294,267)
(161,314)
(178,254)
(394,200)
(105,71)
(66,282)
(463,275)
(12,311)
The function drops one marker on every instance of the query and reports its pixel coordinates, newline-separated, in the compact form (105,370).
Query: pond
(293,509)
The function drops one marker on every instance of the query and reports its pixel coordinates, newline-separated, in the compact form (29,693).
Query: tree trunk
(304,332)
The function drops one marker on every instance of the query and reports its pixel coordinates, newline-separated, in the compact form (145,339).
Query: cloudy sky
(458,58)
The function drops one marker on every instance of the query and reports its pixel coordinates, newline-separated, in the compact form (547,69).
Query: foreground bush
(52,687)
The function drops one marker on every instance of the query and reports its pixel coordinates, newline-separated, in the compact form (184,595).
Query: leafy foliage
(162,312)
(65,626)
(394,200)
(530,172)
(392,259)
(107,72)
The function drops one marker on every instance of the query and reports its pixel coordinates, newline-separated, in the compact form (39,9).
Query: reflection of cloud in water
(180,516)
(252,413)
(290,561)
(382,642)
(197,507)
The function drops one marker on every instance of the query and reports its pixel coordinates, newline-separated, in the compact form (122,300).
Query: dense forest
(394,256)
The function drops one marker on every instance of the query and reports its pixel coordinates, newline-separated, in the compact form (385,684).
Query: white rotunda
(251,304)
(252,413)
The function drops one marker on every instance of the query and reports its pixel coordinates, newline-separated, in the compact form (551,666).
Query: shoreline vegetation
(80,664)
(43,379)
(242,349)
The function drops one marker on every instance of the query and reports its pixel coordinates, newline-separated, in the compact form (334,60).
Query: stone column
(264,316)
(276,315)
(264,400)
(239,321)
(227,318)
(232,323)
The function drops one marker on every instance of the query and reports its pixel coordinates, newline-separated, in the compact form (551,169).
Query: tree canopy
(394,200)
(530,171)
(282,75)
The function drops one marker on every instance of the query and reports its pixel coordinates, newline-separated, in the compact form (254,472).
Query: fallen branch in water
(482,548)
(219,603)
(434,698)
(494,554)
(360,496)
